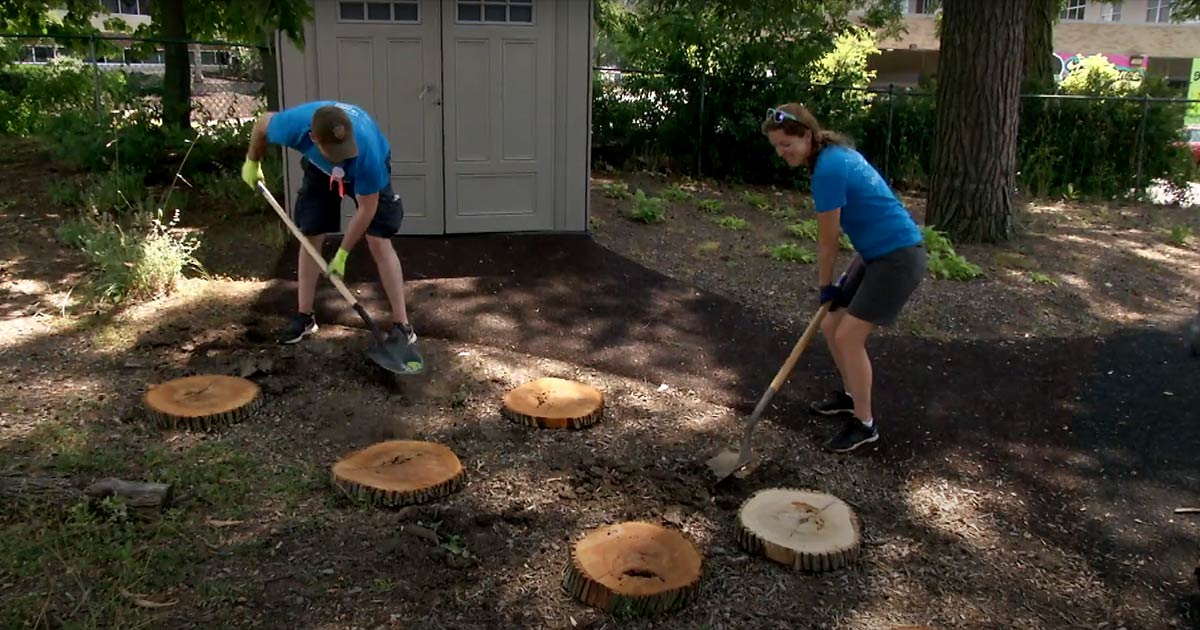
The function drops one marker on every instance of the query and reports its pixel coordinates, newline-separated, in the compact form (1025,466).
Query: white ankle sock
(868,423)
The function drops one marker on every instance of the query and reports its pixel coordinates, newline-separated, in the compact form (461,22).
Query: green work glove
(252,172)
(337,266)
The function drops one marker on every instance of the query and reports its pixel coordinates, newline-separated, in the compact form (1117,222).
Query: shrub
(731,222)
(944,261)
(647,209)
(711,206)
(791,252)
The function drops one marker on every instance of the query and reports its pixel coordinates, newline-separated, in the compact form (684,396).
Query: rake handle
(316,255)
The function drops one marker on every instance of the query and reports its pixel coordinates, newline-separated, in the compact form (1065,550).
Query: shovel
(397,357)
(730,461)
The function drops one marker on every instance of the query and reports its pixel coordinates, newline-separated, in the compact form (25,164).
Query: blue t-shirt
(367,172)
(874,219)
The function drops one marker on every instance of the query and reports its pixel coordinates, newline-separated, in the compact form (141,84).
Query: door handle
(426,90)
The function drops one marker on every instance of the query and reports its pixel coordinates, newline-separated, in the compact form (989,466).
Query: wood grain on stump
(399,472)
(803,529)
(634,568)
(554,403)
(203,402)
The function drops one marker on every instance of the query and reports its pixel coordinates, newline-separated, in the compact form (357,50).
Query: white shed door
(499,114)
(386,58)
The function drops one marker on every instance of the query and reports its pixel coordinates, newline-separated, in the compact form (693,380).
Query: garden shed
(486,104)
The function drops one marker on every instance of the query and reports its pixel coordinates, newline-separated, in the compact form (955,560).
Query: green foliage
(1041,278)
(677,194)
(616,190)
(1096,75)
(806,229)
(647,209)
(731,222)
(711,206)
(1180,235)
(944,261)
(30,94)
(791,252)
(756,200)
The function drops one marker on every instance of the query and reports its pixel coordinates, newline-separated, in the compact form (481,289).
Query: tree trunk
(1040,17)
(978,105)
(177,88)
(270,73)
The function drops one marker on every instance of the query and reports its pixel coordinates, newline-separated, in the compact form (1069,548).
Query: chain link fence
(120,75)
(1068,144)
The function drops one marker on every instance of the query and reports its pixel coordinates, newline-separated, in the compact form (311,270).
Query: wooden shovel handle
(312,251)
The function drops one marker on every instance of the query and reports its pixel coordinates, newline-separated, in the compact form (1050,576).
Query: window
(1111,12)
(495,11)
(1158,11)
(407,11)
(925,7)
(127,7)
(1073,10)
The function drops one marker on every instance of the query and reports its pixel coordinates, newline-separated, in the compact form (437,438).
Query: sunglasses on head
(778,115)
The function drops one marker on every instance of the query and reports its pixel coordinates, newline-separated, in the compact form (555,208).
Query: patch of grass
(791,252)
(616,190)
(676,194)
(783,213)
(229,192)
(806,229)
(64,194)
(756,200)
(1180,235)
(1041,278)
(647,209)
(708,247)
(944,261)
(1013,260)
(731,222)
(711,206)
(117,191)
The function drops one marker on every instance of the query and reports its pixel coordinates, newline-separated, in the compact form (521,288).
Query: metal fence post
(700,129)
(887,147)
(1141,145)
(95,74)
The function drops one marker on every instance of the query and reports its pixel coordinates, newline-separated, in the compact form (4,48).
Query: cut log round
(554,403)
(203,402)
(634,569)
(804,529)
(399,472)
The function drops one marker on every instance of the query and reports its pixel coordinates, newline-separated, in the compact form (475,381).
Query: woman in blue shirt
(849,196)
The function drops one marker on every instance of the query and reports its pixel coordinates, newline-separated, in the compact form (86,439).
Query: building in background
(1135,35)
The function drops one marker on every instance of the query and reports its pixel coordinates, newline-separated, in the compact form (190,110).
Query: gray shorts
(878,290)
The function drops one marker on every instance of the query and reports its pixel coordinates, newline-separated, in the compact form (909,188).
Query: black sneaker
(300,326)
(402,331)
(853,435)
(838,402)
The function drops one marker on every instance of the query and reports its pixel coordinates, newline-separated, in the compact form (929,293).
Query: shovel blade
(398,357)
(728,462)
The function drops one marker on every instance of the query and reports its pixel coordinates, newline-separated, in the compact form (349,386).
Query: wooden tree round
(554,403)
(203,402)
(803,529)
(399,472)
(634,568)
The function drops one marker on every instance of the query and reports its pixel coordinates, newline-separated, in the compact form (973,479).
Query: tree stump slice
(204,402)
(803,529)
(399,472)
(634,569)
(554,403)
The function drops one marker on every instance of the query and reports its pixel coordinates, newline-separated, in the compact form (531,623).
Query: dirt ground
(1035,437)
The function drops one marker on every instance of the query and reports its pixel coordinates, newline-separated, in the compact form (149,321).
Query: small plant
(711,206)
(791,252)
(731,222)
(64,194)
(944,262)
(647,209)
(1041,278)
(783,213)
(844,243)
(1180,235)
(756,200)
(676,194)
(806,229)
(616,190)
(708,247)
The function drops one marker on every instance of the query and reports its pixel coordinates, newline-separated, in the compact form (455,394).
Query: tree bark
(177,88)
(978,113)
(1040,17)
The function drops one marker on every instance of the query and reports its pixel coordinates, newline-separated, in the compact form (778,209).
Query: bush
(30,94)
(944,261)
(647,209)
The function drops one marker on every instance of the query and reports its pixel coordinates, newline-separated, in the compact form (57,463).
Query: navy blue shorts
(319,209)
(877,291)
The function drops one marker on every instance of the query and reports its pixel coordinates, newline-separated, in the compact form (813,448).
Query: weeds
(677,194)
(711,206)
(1041,278)
(756,200)
(1180,235)
(944,262)
(791,252)
(647,209)
(616,190)
(731,222)
(808,230)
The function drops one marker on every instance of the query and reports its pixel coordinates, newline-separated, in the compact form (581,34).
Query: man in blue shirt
(344,153)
